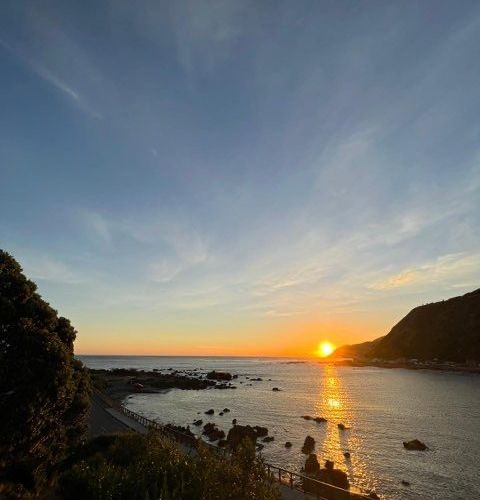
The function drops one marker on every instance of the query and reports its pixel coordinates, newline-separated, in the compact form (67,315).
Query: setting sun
(324,349)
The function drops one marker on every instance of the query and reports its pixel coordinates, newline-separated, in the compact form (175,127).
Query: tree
(44,391)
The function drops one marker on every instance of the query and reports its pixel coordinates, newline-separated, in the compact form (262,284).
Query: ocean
(381,407)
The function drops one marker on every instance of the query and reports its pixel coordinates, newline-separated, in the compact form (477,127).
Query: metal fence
(319,490)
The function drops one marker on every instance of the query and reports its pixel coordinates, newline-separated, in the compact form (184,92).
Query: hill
(448,330)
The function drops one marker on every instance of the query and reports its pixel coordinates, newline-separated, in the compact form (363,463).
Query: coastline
(407,365)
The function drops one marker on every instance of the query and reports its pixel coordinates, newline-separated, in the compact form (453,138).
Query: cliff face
(447,330)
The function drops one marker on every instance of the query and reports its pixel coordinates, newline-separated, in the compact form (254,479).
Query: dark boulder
(311,464)
(238,433)
(308,445)
(226,410)
(405,483)
(210,412)
(335,477)
(326,476)
(342,427)
(347,455)
(268,439)
(261,431)
(198,422)
(234,421)
(320,420)
(288,444)
(213,432)
(214,375)
(276,389)
(415,445)
(307,417)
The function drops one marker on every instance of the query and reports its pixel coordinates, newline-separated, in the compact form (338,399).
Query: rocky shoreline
(407,365)
(121,382)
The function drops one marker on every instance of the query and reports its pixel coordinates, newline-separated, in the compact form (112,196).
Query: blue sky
(229,177)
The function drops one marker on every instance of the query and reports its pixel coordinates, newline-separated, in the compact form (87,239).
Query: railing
(293,480)
(310,485)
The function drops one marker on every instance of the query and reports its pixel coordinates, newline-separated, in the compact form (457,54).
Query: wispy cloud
(454,270)
(96,226)
(51,78)
(42,267)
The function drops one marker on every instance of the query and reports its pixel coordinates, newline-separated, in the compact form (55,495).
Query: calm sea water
(382,408)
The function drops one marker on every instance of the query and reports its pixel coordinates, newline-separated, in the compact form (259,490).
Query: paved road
(101,421)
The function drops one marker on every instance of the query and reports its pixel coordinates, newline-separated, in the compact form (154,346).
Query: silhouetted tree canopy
(44,391)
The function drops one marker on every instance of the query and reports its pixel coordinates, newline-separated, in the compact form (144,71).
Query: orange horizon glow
(297,338)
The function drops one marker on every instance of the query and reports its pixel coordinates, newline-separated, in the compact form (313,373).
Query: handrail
(192,441)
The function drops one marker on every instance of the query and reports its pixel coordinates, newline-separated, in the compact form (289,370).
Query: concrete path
(107,420)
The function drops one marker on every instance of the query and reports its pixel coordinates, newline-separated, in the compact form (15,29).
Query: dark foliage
(134,466)
(44,391)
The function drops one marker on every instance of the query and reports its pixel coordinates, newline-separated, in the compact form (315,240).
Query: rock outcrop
(214,375)
(308,445)
(239,433)
(415,445)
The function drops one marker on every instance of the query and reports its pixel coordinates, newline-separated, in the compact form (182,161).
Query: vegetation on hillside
(448,330)
(44,391)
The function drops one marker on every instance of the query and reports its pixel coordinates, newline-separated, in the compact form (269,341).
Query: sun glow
(324,349)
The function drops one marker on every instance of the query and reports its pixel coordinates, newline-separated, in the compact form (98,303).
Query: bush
(133,466)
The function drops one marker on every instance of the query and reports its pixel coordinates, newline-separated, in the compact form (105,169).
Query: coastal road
(101,421)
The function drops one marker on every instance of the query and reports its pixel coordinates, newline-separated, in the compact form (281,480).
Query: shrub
(133,466)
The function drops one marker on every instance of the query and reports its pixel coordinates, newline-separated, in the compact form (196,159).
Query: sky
(240,177)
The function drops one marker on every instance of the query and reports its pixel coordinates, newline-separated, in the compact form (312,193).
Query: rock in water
(415,445)
(308,445)
(198,422)
(214,375)
(333,476)
(240,432)
(261,431)
(212,432)
(311,464)
(288,444)
(328,475)
(210,412)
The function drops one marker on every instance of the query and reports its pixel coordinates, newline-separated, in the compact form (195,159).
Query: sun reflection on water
(334,404)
